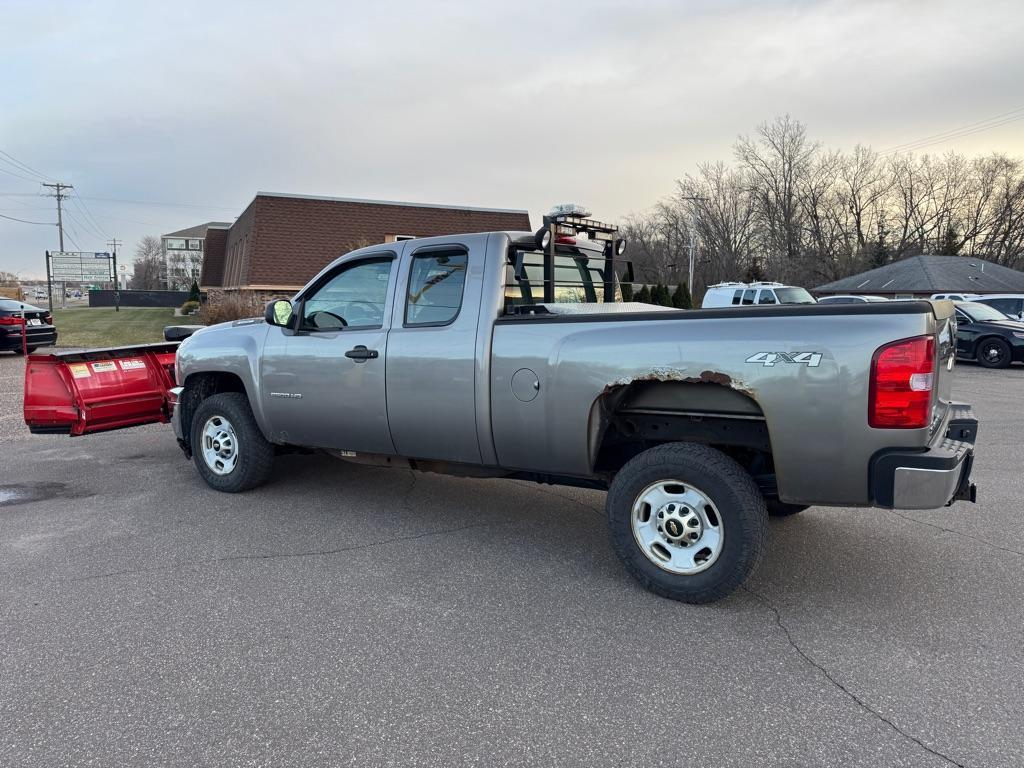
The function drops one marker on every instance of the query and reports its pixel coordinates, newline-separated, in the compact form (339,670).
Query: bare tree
(149,264)
(789,210)
(777,160)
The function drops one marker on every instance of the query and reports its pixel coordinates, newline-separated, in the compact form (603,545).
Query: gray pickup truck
(511,354)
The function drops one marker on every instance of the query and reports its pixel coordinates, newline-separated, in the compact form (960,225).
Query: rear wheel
(687,521)
(228,447)
(19,350)
(994,353)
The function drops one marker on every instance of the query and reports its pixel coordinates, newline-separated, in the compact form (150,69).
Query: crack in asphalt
(986,542)
(850,694)
(285,555)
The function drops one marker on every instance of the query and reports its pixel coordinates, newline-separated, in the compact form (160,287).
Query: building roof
(932,274)
(199,230)
(391,202)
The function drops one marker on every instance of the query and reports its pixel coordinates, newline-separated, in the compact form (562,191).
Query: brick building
(280,242)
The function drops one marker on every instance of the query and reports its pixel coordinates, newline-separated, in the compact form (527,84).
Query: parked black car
(39,329)
(988,336)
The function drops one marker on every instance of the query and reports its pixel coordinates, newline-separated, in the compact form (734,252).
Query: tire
(778,508)
(19,351)
(993,353)
(699,486)
(228,448)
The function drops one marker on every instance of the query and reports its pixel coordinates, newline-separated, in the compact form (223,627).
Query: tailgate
(945,350)
(75,393)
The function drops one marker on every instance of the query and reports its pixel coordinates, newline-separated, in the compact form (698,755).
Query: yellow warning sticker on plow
(79,370)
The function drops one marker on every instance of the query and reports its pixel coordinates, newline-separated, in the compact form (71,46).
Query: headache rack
(558,236)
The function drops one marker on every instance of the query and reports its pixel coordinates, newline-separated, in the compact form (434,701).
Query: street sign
(80,266)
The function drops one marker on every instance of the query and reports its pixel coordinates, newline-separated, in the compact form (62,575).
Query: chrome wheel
(677,527)
(220,445)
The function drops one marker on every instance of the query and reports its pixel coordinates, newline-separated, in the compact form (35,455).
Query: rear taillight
(10,320)
(902,382)
(48,318)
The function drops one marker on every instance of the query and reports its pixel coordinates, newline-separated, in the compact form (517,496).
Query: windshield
(794,296)
(979,312)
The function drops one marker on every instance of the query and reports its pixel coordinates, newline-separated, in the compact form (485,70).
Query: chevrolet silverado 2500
(510,354)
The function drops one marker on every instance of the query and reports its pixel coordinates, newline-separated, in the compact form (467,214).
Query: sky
(164,115)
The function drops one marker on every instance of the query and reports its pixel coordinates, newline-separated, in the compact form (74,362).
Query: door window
(436,280)
(737,296)
(1006,306)
(748,296)
(352,298)
(766,297)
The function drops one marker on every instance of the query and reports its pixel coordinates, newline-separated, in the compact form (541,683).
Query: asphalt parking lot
(348,615)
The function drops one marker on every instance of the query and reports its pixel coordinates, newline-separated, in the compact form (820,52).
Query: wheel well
(630,419)
(990,336)
(197,388)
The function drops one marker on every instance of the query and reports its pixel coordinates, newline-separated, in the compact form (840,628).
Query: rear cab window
(437,279)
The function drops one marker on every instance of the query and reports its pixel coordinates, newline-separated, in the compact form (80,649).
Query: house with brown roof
(281,241)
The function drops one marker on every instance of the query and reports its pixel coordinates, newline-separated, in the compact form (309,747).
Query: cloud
(517,105)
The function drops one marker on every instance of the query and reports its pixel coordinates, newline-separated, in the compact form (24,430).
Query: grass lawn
(103,327)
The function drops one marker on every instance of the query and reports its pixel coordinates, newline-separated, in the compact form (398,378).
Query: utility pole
(693,234)
(117,290)
(58,192)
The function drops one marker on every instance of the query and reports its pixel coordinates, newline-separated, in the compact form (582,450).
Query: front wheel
(994,353)
(687,521)
(228,447)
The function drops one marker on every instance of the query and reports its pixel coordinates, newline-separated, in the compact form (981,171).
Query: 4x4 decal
(768,359)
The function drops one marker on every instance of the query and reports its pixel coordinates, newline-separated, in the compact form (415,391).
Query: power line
(81,204)
(156,203)
(955,133)
(18,175)
(24,221)
(85,224)
(25,166)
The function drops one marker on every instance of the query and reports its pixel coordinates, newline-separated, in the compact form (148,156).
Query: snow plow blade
(96,390)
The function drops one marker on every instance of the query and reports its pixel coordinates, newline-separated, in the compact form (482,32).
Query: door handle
(361,354)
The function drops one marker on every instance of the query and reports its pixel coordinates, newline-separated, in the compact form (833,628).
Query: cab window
(352,298)
(436,282)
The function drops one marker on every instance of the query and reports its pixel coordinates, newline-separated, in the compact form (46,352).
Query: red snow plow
(76,393)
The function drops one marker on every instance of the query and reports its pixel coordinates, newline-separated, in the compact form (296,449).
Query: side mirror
(278,312)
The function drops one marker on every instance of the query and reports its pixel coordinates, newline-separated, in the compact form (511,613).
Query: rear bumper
(930,478)
(36,336)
